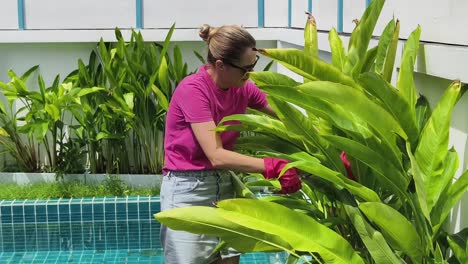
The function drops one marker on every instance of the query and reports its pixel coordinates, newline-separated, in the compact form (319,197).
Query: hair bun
(204,32)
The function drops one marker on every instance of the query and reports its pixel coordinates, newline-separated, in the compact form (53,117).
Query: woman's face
(237,72)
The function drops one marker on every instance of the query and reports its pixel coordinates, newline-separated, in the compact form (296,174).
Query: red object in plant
(290,182)
(347,164)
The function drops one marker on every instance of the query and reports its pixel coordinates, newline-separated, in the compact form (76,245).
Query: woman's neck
(216,78)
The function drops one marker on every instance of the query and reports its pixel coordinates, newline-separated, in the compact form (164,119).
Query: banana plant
(393,208)
(139,79)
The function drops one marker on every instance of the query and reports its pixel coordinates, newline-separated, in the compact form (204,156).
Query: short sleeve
(194,103)
(257,98)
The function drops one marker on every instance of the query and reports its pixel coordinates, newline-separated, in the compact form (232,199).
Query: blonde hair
(227,42)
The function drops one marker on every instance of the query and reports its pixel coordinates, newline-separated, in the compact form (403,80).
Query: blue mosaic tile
(75,212)
(144,212)
(18,214)
(64,212)
(121,211)
(19,231)
(87,212)
(98,212)
(52,213)
(29,214)
(74,231)
(41,216)
(109,212)
(6,214)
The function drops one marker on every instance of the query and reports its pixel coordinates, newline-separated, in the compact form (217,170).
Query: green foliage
(112,186)
(123,125)
(107,115)
(393,212)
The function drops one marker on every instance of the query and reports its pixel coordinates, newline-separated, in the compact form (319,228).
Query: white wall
(72,14)
(53,58)
(276,13)
(9,17)
(190,14)
(62,58)
(442,21)
(326,14)
(298,16)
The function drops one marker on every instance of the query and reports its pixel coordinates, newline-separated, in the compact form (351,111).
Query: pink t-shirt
(197,99)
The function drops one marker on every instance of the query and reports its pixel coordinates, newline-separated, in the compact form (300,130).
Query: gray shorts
(188,188)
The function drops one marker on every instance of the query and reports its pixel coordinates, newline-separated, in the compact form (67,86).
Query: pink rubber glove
(347,164)
(290,182)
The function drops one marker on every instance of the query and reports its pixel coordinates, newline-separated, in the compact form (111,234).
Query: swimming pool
(88,230)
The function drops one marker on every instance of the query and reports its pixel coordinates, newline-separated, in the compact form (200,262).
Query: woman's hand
(290,182)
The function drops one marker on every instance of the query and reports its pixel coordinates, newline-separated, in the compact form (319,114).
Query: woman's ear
(219,65)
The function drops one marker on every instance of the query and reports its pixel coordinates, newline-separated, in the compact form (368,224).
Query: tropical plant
(124,125)
(41,117)
(390,204)
(24,151)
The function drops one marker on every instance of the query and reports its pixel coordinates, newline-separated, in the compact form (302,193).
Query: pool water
(115,256)
(94,230)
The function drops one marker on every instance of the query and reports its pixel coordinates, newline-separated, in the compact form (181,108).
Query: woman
(196,157)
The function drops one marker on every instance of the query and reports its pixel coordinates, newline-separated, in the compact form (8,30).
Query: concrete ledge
(441,60)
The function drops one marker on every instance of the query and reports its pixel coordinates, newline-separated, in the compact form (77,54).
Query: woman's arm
(220,158)
(268,110)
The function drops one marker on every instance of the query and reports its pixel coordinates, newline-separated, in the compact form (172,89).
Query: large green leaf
(296,204)
(447,201)
(405,83)
(272,78)
(308,67)
(167,41)
(210,221)
(423,113)
(315,168)
(240,189)
(393,102)
(283,222)
(389,176)
(331,101)
(338,51)
(376,244)
(388,44)
(162,99)
(384,43)
(437,185)
(361,36)
(295,121)
(163,77)
(267,143)
(53,111)
(262,124)
(85,91)
(280,86)
(361,105)
(310,37)
(419,182)
(26,75)
(395,228)
(433,145)
(366,64)
(460,253)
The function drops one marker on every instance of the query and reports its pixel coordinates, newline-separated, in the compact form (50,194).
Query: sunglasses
(244,69)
